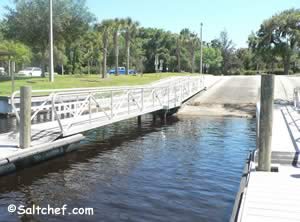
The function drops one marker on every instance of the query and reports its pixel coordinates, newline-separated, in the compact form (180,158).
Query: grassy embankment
(82,81)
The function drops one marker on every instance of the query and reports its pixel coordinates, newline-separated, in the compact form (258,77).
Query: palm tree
(193,44)
(118,24)
(179,41)
(105,28)
(191,41)
(130,32)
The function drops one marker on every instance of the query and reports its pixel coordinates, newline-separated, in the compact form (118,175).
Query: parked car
(31,71)
(122,71)
(2,71)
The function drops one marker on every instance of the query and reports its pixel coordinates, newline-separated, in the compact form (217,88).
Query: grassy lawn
(82,81)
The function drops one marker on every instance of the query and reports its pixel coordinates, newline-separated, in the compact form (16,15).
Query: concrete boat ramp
(71,112)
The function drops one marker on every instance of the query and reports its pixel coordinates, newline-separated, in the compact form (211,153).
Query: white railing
(257,117)
(296,98)
(74,107)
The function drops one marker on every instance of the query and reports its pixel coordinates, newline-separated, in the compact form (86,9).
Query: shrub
(250,72)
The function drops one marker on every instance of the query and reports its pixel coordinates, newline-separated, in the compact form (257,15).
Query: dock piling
(25,117)
(153,118)
(265,122)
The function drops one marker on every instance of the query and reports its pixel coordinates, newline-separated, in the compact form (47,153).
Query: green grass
(82,81)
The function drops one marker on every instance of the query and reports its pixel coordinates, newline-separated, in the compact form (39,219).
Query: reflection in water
(187,170)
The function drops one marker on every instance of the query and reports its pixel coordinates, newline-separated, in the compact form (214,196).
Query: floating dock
(274,196)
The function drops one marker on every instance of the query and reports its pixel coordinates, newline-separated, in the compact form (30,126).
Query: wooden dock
(275,196)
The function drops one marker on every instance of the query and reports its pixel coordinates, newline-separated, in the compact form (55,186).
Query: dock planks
(275,196)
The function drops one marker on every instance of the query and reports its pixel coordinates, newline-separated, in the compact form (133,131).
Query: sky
(238,17)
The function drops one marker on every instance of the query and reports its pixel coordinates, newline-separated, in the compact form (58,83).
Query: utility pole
(201,51)
(51,66)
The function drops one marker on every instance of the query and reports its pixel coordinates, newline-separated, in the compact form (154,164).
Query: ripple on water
(187,170)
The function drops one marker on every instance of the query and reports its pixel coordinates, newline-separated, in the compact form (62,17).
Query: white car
(31,71)
(2,71)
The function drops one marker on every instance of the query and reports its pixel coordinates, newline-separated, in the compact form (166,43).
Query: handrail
(84,104)
(296,98)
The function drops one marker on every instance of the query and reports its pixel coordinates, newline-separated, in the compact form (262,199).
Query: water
(187,170)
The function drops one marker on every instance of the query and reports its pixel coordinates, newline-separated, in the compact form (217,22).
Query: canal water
(185,170)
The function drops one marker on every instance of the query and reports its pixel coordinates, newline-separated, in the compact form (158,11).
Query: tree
(156,42)
(105,28)
(22,53)
(90,48)
(131,28)
(245,57)
(60,58)
(179,46)
(118,23)
(28,22)
(227,50)
(212,57)
(137,54)
(192,45)
(280,35)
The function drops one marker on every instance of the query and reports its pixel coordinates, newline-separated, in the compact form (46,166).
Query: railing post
(90,106)
(265,122)
(168,97)
(175,94)
(142,99)
(111,104)
(77,104)
(25,117)
(153,102)
(128,102)
(52,109)
(181,89)
(296,98)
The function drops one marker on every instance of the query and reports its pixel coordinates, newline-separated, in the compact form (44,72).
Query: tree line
(83,45)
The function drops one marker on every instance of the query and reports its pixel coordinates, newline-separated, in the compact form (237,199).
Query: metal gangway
(72,111)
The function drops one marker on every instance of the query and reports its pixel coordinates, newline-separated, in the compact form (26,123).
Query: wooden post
(25,117)
(265,122)
(139,120)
